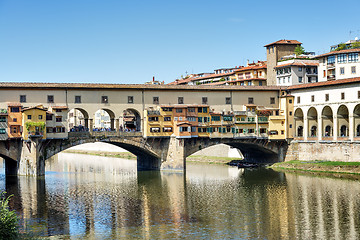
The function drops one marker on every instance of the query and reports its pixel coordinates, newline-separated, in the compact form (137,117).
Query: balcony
(153,112)
(331,65)
(331,77)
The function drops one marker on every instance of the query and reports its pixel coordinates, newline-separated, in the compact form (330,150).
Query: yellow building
(34,122)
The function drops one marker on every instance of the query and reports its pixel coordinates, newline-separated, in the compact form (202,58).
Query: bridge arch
(131,120)
(104,118)
(78,119)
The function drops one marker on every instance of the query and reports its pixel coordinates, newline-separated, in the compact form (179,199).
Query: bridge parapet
(104,134)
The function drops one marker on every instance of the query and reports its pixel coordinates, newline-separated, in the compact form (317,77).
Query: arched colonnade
(327,123)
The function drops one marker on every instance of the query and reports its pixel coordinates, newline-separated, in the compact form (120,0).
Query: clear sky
(118,41)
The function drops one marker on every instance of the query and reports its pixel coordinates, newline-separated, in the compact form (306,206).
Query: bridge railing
(116,134)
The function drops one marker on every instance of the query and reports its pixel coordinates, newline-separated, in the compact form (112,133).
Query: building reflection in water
(99,197)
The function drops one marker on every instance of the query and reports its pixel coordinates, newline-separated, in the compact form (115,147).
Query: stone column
(31,162)
(112,124)
(86,123)
(117,124)
(320,126)
(335,127)
(306,128)
(351,127)
(175,158)
(90,125)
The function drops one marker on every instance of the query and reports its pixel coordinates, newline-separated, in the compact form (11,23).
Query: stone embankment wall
(341,151)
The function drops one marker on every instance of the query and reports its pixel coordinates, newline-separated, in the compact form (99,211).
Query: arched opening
(78,120)
(104,120)
(327,122)
(131,121)
(357,121)
(343,121)
(300,131)
(312,122)
(299,123)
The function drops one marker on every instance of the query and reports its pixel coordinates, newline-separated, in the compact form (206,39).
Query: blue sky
(115,41)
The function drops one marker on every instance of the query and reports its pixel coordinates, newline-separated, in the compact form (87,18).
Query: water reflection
(104,198)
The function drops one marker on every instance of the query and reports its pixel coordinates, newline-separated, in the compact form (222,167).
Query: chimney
(153,78)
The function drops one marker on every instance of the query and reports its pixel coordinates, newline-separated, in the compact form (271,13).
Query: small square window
(50,98)
(77,99)
(22,98)
(272,100)
(58,119)
(14,119)
(290,113)
(228,100)
(326,97)
(104,99)
(180,100)
(130,99)
(155,100)
(312,98)
(250,100)
(204,100)
(342,96)
(29,117)
(40,117)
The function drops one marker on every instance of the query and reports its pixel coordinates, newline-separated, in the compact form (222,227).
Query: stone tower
(274,52)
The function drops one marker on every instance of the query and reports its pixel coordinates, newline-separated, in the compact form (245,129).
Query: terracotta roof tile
(284,41)
(14,104)
(247,79)
(251,68)
(339,52)
(326,83)
(300,64)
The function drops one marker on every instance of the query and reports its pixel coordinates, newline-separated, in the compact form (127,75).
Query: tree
(341,46)
(355,45)
(299,50)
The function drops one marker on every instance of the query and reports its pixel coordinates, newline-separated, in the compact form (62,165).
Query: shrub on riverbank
(9,228)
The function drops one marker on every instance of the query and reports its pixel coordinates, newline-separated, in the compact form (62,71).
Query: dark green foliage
(9,228)
(299,50)
(341,46)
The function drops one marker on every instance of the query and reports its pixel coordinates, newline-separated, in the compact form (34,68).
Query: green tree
(341,46)
(299,50)
(9,228)
(355,45)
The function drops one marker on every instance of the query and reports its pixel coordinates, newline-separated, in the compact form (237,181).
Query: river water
(93,197)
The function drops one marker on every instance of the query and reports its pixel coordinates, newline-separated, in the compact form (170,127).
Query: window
(272,100)
(282,132)
(215,118)
(298,99)
(50,98)
(179,110)
(200,119)
(290,113)
(167,119)
(353,69)
(300,80)
(260,83)
(290,101)
(2,130)
(130,99)
(193,129)
(353,57)
(250,100)
(342,96)
(205,110)
(77,99)
(204,100)
(191,119)
(262,130)
(324,73)
(14,119)
(167,129)
(342,71)
(312,98)
(228,100)
(14,109)
(155,100)
(300,69)
(331,59)
(104,99)
(14,130)
(58,119)
(22,98)
(49,117)
(290,126)
(341,58)
(180,100)
(326,97)
(191,109)
(153,119)
(154,129)
(183,129)
(40,117)
(2,119)
(29,117)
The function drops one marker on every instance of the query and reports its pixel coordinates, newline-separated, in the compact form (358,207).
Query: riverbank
(320,167)
(128,155)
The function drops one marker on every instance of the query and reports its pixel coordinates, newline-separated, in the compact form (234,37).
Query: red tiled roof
(182,81)
(59,107)
(247,79)
(300,64)
(14,104)
(284,41)
(339,52)
(326,83)
(36,107)
(251,68)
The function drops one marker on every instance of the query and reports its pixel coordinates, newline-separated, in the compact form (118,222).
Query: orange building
(14,120)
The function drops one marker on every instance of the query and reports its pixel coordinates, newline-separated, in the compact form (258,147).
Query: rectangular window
(179,110)
(342,71)
(290,101)
(153,119)
(155,100)
(215,118)
(250,100)
(272,100)
(353,57)
(191,109)
(29,117)
(205,110)
(300,69)
(2,130)
(324,73)
(50,98)
(49,117)
(22,98)
(2,119)
(77,99)
(331,59)
(14,119)
(228,100)
(353,69)
(200,110)
(298,99)
(58,119)
(155,129)
(341,58)
(180,100)
(312,98)
(14,109)
(104,99)
(130,99)
(40,117)
(326,97)
(200,119)
(342,96)
(193,129)
(260,83)
(300,80)
(204,100)
(167,119)
(167,129)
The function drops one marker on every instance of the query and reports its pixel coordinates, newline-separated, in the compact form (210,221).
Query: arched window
(313,131)
(343,131)
(300,131)
(328,131)
(358,130)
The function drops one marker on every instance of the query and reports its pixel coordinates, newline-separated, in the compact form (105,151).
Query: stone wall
(310,151)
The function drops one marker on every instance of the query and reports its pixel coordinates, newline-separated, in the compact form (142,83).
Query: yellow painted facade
(34,122)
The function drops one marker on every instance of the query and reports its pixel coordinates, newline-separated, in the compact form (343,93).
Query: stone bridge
(165,153)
